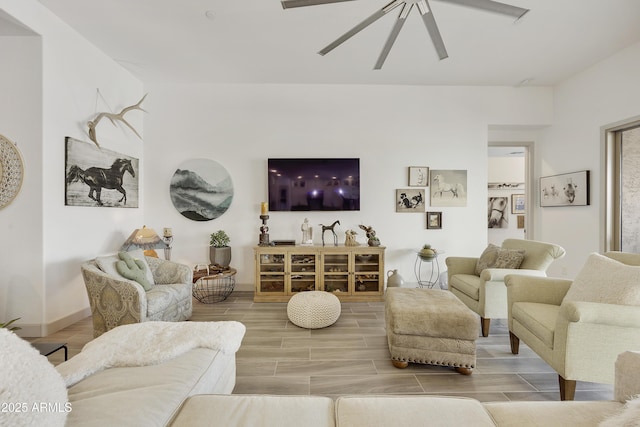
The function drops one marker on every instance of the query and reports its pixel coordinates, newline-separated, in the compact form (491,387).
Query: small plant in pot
(8,326)
(427,253)
(219,249)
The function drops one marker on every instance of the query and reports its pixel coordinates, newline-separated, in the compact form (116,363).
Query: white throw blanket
(150,343)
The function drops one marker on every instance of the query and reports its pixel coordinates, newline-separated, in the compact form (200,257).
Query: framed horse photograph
(448,187)
(567,189)
(99,177)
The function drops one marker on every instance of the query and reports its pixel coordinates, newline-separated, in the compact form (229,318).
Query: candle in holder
(264,208)
(168,232)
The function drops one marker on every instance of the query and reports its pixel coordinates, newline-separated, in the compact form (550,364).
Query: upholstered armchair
(579,327)
(116,301)
(479,282)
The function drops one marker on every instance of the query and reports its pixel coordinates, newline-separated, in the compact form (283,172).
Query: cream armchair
(116,301)
(485,293)
(578,338)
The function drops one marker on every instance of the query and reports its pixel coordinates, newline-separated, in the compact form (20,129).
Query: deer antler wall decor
(113,118)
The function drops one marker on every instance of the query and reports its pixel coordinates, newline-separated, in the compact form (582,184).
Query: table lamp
(146,239)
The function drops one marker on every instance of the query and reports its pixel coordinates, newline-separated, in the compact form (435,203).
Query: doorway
(509,191)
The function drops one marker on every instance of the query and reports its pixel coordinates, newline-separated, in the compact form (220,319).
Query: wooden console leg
(464,371)
(515,343)
(485,323)
(400,364)
(567,388)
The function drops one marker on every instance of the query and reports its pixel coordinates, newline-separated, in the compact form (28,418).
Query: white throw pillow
(628,417)
(606,281)
(32,390)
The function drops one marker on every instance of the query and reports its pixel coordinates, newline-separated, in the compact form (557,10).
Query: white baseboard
(43,330)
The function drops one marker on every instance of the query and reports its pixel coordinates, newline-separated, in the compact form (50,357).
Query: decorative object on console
(201,189)
(410,200)
(434,220)
(332,229)
(219,249)
(113,118)
(167,236)
(448,188)
(394,279)
(11,171)
(146,239)
(418,176)
(99,169)
(372,240)
(263,239)
(350,238)
(307,233)
(568,189)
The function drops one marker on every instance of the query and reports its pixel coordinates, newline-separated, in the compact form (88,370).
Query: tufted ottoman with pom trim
(313,309)
(430,326)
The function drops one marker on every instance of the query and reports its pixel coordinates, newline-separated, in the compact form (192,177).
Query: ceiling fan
(405,7)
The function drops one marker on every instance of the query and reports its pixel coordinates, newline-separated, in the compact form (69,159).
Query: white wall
(21,281)
(61,75)
(603,94)
(388,128)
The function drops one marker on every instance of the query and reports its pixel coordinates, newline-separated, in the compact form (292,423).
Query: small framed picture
(410,200)
(520,221)
(517,203)
(418,176)
(434,220)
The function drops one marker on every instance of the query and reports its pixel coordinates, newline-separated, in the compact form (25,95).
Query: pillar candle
(264,208)
(168,232)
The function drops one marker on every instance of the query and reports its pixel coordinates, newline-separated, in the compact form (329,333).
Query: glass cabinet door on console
(336,272)
(271,273)
(367,273)
(302,272)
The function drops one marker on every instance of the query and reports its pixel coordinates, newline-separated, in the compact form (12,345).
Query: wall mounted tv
(314,184)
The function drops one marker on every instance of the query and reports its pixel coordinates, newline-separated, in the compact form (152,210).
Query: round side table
(434,273)
(215,287)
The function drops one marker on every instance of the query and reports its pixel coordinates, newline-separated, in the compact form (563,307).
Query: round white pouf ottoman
(313,309)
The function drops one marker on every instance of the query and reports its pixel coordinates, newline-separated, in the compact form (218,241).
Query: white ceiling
(256,41)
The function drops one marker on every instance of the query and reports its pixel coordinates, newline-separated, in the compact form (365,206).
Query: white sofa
(391,411)
(179,392)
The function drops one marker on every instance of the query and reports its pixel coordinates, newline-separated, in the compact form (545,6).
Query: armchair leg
(485,323)
(515,343)
(567,388)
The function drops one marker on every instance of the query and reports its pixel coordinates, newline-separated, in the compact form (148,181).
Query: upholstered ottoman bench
(430,326)
(313,309)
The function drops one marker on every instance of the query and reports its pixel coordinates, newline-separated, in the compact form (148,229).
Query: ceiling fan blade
(361,26)
(432,27)
(402,17)
(288,4)
(492,6)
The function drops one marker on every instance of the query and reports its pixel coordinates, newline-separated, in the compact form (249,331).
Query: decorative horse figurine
(330,227)
(99,178)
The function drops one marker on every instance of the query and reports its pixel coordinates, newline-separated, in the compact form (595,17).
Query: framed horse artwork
(448,187)
(99,177)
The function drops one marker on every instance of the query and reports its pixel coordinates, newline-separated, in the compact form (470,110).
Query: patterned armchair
(118,301)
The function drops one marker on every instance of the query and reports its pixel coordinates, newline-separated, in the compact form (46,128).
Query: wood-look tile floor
(351,357)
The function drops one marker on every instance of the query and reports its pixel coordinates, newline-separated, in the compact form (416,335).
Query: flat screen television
(314,184)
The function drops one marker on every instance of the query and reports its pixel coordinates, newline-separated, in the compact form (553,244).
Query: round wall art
(11,171)
(201,189)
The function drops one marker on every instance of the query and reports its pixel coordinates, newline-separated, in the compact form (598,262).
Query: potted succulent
(427,253)
(219,249)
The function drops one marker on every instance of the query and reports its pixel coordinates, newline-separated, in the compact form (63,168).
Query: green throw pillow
(133,269)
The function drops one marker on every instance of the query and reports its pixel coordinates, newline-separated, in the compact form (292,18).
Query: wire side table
(434,273)
(215,287)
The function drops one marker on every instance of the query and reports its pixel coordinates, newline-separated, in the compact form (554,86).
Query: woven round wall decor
(11,171)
